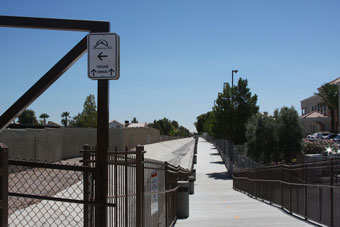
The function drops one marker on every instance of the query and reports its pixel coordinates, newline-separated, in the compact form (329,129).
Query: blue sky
(176,55)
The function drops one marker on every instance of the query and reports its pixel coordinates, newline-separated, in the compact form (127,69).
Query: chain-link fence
(140,192)
(47,194)
(310,190)
(230,156)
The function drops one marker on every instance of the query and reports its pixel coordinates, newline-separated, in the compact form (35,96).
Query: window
(312,108)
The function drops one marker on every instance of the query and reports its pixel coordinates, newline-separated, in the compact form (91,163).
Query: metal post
(3,185)
(116,185)
(126,188)
(290,189)
(281,186)
(255,180)
(139,185)
(166,194)
(86,158)
(270,186)
(331,194)
(306,182)
(101,154)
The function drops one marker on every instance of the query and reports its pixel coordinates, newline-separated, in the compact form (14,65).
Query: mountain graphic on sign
(102,44)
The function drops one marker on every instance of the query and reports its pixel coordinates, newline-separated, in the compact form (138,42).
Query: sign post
(103,65)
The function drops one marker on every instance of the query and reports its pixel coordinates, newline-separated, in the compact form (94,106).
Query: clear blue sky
(176,55)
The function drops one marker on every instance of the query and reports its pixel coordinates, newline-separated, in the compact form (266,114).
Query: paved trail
(216,204)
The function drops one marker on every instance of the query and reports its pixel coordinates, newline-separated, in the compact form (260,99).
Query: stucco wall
(64,143)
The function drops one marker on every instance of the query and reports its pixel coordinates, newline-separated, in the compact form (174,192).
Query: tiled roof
(337,80)
(314,114)
(137,125)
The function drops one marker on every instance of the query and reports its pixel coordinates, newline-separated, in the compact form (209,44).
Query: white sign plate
(154,188)
(103,56)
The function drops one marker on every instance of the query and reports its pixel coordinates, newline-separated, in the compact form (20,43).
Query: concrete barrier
(193,173)
(195,159)
(191,185)
(183,199)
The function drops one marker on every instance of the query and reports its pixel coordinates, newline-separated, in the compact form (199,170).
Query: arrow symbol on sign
(111,71)
(93,71)
(100,56)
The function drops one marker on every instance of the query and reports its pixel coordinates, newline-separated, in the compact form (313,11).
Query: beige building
(315,115)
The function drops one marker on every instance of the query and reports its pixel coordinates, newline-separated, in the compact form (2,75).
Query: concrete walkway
(215,203)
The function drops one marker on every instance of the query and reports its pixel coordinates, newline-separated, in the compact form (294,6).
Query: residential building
(115,124)
(315,116)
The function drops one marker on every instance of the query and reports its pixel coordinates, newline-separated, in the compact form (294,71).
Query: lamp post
(232,77)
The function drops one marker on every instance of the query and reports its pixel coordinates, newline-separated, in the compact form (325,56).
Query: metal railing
(309,190)
(143,190)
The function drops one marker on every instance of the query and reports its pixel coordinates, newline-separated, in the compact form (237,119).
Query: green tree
(262,141)
(175,124)
(289,133)
(233,109)
(182,131)
(163,125)
(28,117)
(329,95)
(134,120)
(88,117)
(205,123)
(65,118)
(274,138)
(170,128)
(43,117)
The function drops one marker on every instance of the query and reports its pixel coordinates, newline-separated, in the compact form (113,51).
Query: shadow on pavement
(217,162)
(214,154)
(220,176)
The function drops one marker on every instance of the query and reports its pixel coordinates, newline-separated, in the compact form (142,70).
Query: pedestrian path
(215,203)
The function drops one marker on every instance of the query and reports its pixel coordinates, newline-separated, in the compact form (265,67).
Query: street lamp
(232,77)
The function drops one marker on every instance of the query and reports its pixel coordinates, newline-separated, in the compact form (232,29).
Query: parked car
(317,136)
(337,138)
(312,137)
(329,136)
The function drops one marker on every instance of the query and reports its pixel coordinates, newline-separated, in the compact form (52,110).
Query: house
(316,116)
(115,124)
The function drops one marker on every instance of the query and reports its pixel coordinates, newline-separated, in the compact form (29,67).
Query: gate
(143,190)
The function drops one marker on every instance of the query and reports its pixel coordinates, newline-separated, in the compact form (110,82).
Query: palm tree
(65,116)
(43,116)
(329,94)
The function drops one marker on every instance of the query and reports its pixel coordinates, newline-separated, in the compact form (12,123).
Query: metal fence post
(290,188)
(86,158)
(270,186)
(3,185)
(306,182)
(115,158)
(166,194)
(139,185)
(281,186)
(126,188)
(331,194)
(101,189)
